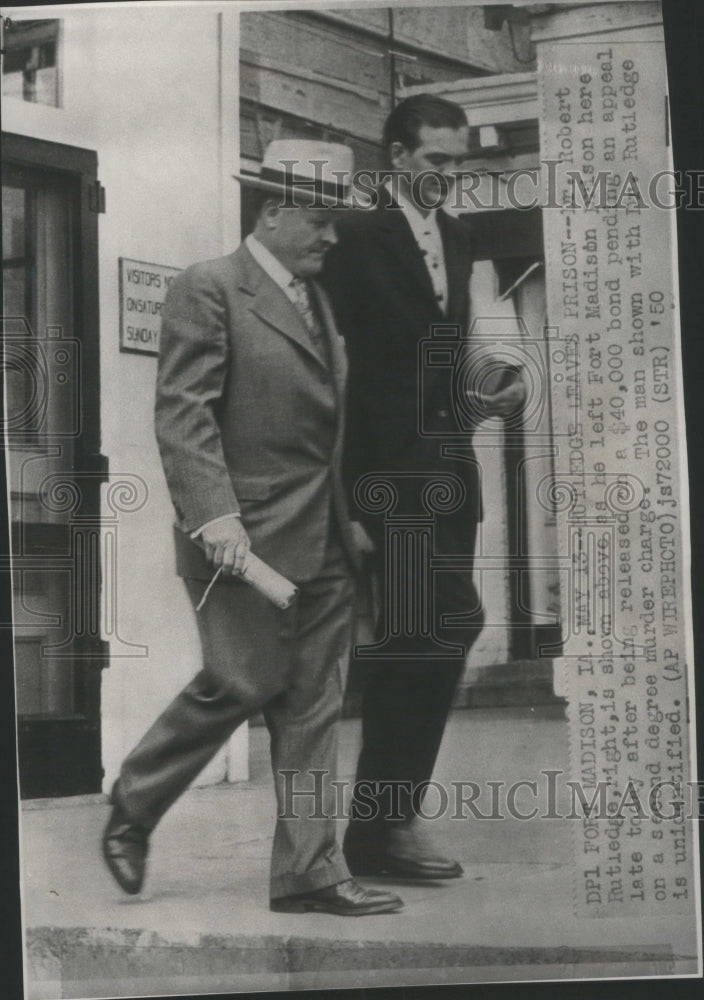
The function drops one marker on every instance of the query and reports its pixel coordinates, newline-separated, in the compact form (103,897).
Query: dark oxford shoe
(125,849)
(346,899)
(401,854)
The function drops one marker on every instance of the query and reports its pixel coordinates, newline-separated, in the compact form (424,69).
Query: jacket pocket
(252,489)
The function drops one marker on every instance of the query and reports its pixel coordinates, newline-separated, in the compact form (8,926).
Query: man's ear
(397,155)
(270,214)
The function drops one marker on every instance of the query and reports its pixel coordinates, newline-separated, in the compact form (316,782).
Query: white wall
(155,95)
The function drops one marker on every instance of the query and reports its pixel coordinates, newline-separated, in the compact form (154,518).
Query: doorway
(53,462)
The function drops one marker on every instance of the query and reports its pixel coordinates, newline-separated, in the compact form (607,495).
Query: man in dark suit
(397,270)
(249,408)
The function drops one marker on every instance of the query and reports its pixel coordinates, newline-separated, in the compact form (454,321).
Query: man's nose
(329,234)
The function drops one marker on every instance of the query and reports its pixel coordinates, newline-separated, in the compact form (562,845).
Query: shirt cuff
(216,520)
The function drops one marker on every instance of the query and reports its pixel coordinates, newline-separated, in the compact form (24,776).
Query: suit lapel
(337,356)
(400,242)
(456,267)
(271,305)
(335,344)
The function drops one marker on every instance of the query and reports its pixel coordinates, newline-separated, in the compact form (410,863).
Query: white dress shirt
(271,264)
(426,232)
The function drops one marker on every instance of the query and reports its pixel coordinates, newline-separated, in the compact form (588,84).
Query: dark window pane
(14,304)
(28,672)
(13,292)
(13,222)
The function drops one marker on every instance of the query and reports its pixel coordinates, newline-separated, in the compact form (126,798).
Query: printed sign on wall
(143,288)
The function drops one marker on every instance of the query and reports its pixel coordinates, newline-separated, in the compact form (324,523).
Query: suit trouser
(405,707)
(290,665)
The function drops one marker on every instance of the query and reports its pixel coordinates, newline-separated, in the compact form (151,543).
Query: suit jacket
(385,306)
(249,419)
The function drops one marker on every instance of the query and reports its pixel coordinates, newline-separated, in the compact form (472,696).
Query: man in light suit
(249,408)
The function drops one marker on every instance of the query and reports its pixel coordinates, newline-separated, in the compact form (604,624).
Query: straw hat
(305,170)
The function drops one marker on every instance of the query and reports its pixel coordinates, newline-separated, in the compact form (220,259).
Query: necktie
(434,264)
(302,301)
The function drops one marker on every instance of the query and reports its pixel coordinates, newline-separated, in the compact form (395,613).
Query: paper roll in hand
(275,587)
(268,582)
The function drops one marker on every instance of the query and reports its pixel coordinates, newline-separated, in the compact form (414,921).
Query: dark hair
(253,202)
(259,197)
(405,121)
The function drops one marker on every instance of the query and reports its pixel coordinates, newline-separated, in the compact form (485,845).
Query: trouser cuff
(318,878)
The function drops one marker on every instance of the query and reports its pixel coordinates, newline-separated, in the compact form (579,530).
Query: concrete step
(516,683)
(80,962)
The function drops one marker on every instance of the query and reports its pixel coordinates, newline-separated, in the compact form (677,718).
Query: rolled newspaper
(268,582)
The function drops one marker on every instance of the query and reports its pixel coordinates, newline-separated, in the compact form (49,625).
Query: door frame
(60,756)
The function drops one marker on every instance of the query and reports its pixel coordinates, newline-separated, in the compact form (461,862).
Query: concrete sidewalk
(203,923)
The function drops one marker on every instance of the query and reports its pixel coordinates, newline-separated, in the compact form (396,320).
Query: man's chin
(431,194)
(311,267)
(435,198)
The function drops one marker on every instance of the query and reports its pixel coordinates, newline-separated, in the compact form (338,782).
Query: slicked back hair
(405,121)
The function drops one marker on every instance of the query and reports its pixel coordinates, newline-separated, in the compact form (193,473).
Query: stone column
(619,485)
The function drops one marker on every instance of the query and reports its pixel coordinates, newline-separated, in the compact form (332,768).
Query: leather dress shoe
(345,899)
(125,849)
(401,854)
